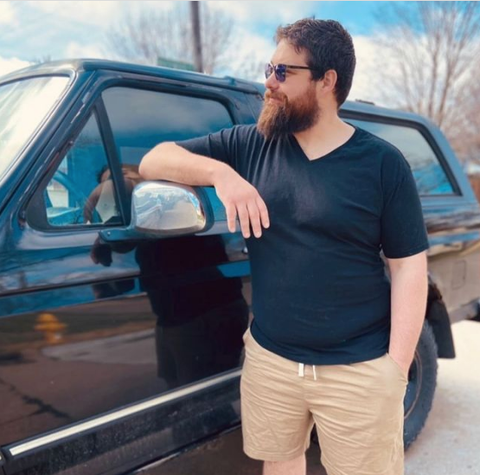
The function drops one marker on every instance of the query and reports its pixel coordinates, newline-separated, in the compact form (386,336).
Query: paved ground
(450,441)
(448,445)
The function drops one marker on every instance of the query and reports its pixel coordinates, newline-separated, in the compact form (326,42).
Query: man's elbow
(150,165)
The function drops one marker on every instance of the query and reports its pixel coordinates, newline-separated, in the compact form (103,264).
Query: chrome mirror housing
(164,208)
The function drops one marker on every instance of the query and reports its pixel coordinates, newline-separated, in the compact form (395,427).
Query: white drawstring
(301,370)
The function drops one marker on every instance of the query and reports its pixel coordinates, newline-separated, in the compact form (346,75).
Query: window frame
(188,90)
(36,209)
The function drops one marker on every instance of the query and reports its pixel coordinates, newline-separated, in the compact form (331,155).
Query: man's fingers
(249,208)
(231,217)
(262,207)
(254,218)
(244,220)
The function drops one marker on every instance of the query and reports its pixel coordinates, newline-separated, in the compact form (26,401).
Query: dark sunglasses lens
(268,70)
(280,72)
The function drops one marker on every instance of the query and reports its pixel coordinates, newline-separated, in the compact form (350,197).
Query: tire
(422,381)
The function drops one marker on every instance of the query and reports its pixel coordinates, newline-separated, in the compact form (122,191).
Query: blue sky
(35,30)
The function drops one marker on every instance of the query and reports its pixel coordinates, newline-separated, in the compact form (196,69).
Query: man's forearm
(168,161)
(408,305)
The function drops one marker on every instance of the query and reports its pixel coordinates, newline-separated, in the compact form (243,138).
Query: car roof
(80,65)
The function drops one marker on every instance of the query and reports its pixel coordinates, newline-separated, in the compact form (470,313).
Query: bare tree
(147,35)
(430,49)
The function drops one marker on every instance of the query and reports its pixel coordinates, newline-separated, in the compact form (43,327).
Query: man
(332,339)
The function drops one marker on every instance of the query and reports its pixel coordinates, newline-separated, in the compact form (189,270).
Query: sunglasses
(280,70)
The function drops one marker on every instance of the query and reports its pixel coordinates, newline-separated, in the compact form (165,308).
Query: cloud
(8,65)
(7,14)
(365,82)
(93,13)
(77,50)
(99,14)
(271,13)
(249,54)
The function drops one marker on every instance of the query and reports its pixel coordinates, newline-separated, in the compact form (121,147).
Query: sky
(35,31)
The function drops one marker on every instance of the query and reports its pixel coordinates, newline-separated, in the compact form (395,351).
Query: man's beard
(278,120)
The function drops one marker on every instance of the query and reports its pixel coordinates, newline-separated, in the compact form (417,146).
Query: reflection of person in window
(200,321)
(102,198)
(200,324)
(100,207)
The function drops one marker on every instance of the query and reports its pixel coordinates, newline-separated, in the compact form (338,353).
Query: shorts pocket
(397,368)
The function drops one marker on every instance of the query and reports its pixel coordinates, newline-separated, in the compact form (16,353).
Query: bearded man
(332,338)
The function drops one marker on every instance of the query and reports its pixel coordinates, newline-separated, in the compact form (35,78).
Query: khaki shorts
(357,409)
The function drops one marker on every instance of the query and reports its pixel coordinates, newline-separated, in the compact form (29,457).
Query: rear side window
(141,119)
(429,174)
(81,191)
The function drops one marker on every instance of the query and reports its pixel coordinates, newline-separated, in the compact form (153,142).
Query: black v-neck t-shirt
(320,294)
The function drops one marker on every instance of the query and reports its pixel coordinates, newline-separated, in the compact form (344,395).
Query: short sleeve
(220,145)
(403,230)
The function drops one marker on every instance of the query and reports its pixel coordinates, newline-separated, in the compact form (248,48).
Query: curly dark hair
(328,46)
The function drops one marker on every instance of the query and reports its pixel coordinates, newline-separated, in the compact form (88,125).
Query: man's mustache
(276,96)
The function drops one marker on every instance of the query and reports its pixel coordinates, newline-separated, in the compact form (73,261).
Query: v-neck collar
(329,154)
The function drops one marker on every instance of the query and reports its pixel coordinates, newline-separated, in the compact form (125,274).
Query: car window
(81,192)
(141,119)
(24,105)
(429,174)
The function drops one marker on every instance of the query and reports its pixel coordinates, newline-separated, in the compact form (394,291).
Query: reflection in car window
(23,106)
(427,170)
(141,119)
(82,191)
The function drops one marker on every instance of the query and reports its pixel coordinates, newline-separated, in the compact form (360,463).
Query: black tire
(422,381)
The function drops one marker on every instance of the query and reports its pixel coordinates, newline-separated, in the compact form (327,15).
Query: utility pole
(197,41)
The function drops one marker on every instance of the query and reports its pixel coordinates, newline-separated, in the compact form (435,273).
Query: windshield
(24,105)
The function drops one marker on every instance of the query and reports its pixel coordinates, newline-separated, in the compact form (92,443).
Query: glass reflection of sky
(23,106)
(141,119)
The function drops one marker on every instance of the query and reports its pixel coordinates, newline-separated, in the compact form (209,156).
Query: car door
(116,354)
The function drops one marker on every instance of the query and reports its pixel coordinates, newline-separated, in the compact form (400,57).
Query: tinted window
(141,119)
(81,191)
(427,170)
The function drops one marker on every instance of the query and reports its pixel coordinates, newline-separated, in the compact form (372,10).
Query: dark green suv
(123,303)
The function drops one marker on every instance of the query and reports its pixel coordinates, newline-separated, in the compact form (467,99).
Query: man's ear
(329,80)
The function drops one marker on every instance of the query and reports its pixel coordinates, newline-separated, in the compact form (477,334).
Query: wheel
(422,381)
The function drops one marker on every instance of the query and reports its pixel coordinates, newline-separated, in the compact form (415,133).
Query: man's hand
(403,364)
(241,199)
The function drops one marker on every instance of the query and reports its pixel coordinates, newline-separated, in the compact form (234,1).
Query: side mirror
(162,209)
(165,209)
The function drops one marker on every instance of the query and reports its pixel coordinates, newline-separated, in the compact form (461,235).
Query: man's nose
(272,82)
